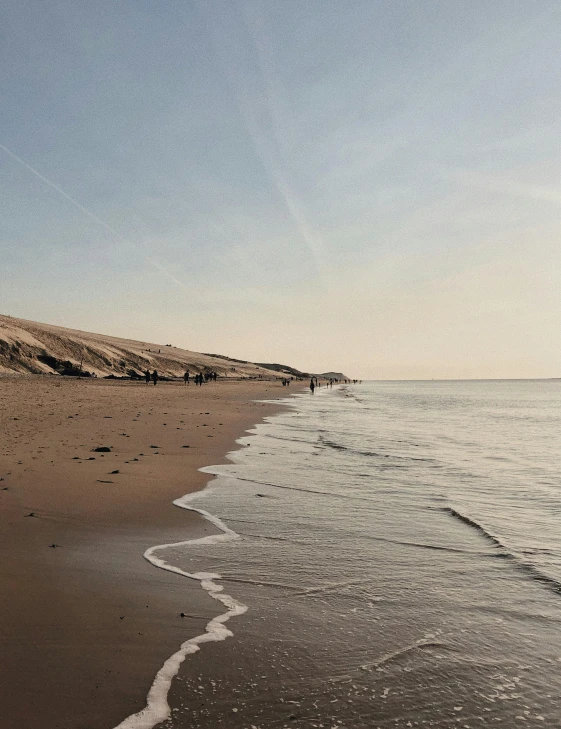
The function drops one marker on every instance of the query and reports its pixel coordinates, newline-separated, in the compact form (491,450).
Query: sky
(370,187)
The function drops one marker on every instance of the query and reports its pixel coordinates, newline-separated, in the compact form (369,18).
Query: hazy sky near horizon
(367,186)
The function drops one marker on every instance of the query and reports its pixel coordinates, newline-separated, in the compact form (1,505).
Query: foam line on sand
(157,708)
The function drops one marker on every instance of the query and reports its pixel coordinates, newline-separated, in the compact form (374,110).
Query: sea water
(390,557)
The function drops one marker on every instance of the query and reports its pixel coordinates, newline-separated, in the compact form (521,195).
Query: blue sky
(365,186)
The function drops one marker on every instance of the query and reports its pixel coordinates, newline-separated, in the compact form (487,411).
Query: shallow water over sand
(400,556)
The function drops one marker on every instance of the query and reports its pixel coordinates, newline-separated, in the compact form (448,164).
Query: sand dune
(31,347)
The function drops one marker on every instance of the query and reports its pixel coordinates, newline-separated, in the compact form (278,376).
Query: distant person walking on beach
(186,377)
(155,377)
(148,376)
(312,385)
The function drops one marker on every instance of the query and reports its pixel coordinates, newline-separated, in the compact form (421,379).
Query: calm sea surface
(400,558)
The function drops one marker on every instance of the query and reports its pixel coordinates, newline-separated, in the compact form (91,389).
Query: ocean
(389,556)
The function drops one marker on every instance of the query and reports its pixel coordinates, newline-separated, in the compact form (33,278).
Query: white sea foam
(157,708)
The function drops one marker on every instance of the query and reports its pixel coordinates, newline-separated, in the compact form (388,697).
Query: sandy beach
(85,621)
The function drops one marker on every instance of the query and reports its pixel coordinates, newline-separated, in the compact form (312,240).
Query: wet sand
(85,621)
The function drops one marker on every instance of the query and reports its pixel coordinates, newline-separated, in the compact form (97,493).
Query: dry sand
(85,624)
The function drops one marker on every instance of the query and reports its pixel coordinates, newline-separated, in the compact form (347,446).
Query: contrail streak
(158,266)
(265,148)
(64,194)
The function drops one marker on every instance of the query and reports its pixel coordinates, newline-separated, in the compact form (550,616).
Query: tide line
(157,708)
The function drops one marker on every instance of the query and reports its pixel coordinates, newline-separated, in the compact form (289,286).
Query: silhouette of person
(186,377)
(312,385)
(155,377)
(147,376)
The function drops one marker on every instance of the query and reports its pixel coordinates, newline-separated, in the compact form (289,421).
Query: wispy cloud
(505,185)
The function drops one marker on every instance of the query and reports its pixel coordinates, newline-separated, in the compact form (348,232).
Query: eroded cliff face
(28,347)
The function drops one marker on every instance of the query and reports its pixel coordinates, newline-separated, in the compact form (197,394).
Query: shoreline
(85,621)
(157,707)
